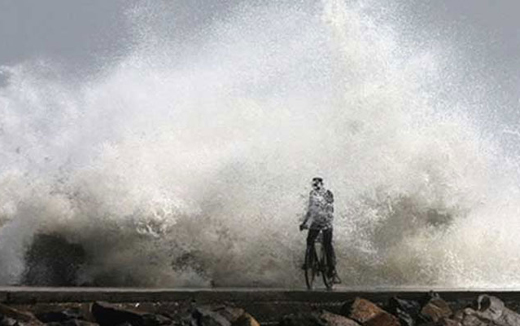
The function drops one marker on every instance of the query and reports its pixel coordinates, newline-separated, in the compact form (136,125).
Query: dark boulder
(107,314)
(303,319)
(203,316)
(51,260)
(221,315)
(59,316)
(11,316)
(443,322)
(407,311)
(72,322)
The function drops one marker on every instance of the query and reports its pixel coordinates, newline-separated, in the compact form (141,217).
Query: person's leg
(329,250)
(311,238)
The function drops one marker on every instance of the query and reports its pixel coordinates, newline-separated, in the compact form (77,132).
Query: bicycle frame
(316,263)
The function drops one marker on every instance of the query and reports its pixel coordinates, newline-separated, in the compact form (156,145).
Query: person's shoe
(334,276)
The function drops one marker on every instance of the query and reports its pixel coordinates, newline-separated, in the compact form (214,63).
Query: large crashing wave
(188,161)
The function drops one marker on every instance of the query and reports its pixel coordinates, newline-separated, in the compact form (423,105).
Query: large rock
(9,315)
(443,322)
(72,322)
(107,314)
(407,311)
(245,320)
(232,314)
(6,321)
(436,309)
(324,318)
(361,310)
(383,319)
(222,316)
(490,311)
(368,313)
(206,316)
(59,316)
(303,319)
(337,320)
(469,317)
(51,260)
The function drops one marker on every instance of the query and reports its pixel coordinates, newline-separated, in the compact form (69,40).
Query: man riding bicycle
(321,213)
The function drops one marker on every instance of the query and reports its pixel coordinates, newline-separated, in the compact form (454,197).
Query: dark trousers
(327,244)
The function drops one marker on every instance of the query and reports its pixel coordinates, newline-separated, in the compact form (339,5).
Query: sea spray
(188,161)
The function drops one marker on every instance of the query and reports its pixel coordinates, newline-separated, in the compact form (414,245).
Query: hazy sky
(76,30)
(79,30)
(80,33)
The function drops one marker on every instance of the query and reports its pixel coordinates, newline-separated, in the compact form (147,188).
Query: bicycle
(316,263)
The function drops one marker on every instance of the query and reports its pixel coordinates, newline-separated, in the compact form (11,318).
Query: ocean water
(187,161)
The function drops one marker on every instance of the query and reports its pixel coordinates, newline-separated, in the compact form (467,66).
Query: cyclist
(321,213)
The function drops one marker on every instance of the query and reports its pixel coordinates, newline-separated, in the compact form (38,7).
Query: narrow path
(22,295)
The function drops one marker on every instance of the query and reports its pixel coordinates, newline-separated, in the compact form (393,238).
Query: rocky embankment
(431,310)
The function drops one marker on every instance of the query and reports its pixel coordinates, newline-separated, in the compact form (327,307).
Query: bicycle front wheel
(327,280)
(311,269)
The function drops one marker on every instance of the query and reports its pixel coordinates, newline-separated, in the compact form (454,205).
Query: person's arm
(330,202)
(304,226)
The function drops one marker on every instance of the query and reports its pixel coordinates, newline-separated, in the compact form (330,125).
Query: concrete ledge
(31,295)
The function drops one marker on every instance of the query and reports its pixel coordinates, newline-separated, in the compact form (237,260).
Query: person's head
(317,183)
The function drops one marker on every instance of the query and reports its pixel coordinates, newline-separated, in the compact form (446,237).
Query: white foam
(197,152)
